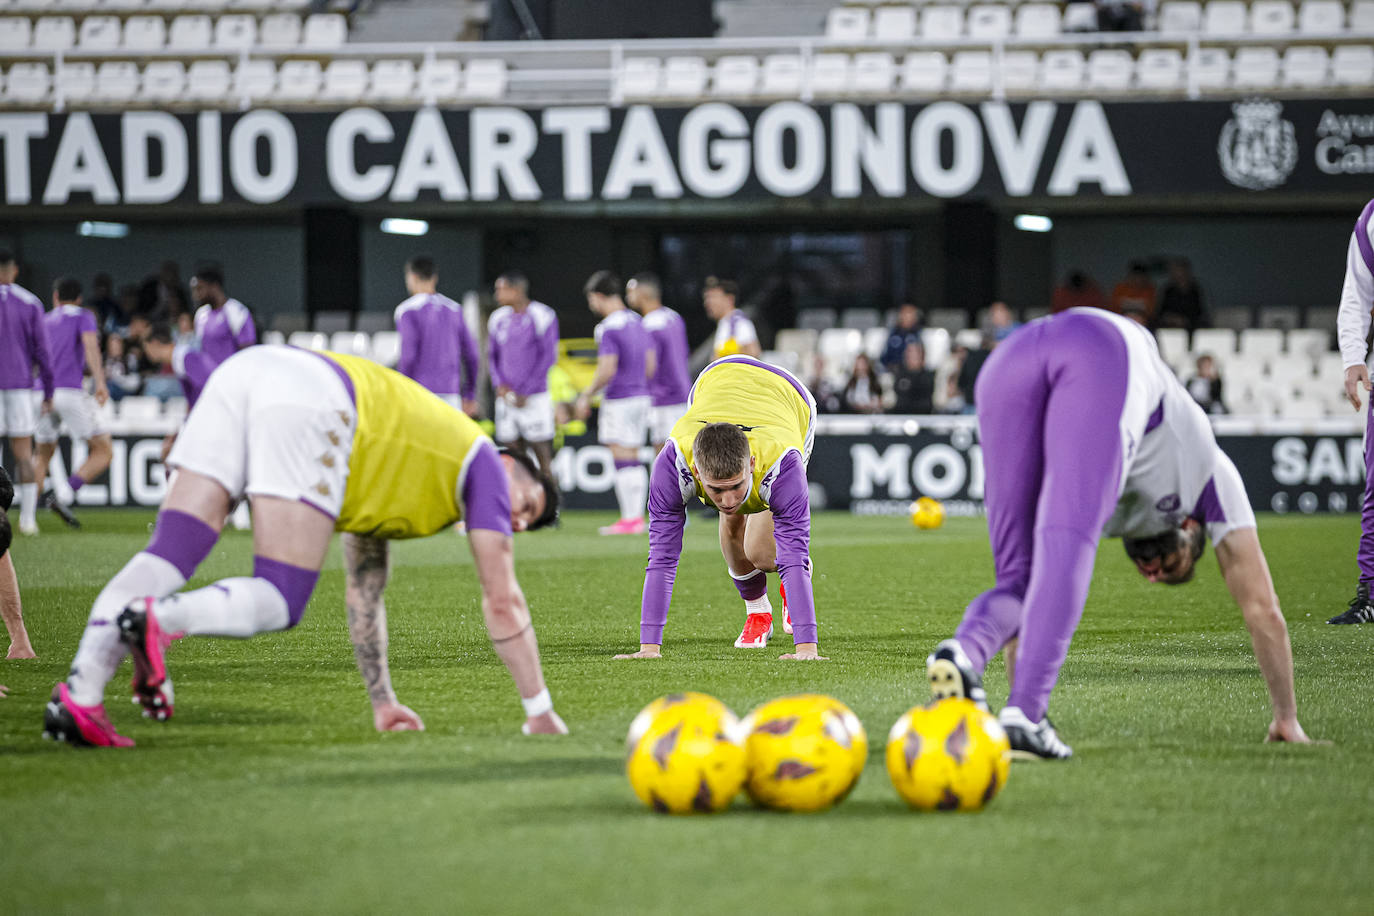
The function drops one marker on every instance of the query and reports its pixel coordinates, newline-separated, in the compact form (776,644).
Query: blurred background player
(522,346)
(622,347)
(437,349)
(735,333)
(318,442)
(1086,432)
(11,610)
(74,345)
(191,367)
(1352,331)
(23,346)
(742,446)
(669,380)
(223,327)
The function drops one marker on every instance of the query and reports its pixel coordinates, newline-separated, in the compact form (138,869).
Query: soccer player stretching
(742,446)
(1086,432)
(318,443)
(1352,331)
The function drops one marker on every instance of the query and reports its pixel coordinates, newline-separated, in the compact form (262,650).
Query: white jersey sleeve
(1357,294)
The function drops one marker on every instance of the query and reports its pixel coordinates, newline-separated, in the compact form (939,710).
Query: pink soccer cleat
(757,629)
(79,726)
(625,526)
(147,642)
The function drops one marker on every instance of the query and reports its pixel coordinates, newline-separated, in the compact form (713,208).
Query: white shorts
(74,412)
(623,421)
(663,419)
(17,412)
(533,422)
(273,421)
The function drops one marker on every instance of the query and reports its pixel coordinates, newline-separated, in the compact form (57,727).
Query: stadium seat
(1362,16)
(1037,20)
(938,344)
(1352,65)
(970,71)
(1079,16)
(163,81)
(797,340)
(685,77)
(208,80)
(1224,17)
(1256,68)
(144,33)
(847,23)
(54,33)
(75,81)
(861,319)
(894,23)
(1305,66)
(351,342)
(972,338)
(1322,317)
(486,78)
(1261,344)
(1173,346)
(1272,17)
(308,340)
(1282,317)
(287,322)
(952,320)
(989,21)
(176,408)
(942,23)
(123,4)
(1235,317)
(136,411)
(1020,71)
(839,346)
(372,322)
(1322,17)
(816,319)
(324,30)
(255,80)
(642,77)
(1159,69)
(116,81)
(1183,17)
(191,33)
(344,81)
(1218,342)
(280,30)
(1110,68)
(830,74)
(1211,68)
(235,32)
(386,347)
(438,81)
(75,6)
(782,359)
(392,80)
(875,341)
(1308,343)
(1062,69)
(15,33)
(782,75)
(28,83)
(923,72)
(299,80)
(735,76)
(873,72)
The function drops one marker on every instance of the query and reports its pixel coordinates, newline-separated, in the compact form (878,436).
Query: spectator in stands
(906,330)
(1121,15)
(814,377)
(108,315)
(1077,291)
(1001,322)
(184,330)
(162,297)
(121,368)
(1205,385)
(1134,296)
(863,393)
(735,333)
(1181,304)
(913,383)
(970,364)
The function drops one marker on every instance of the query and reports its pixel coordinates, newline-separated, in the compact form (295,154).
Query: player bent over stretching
(742,446)
(318,443)
(1086,432)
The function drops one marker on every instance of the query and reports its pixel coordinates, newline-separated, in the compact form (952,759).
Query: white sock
(28,504)
(759,605)
(238,607)
(631,491)
(100,651)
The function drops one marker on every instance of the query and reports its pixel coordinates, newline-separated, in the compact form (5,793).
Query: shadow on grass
(448,774)
(865,809)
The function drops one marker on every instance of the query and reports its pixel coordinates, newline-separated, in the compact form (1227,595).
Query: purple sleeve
(87,323)
(467,350)
(609,344)
(791,505)
(38,337)
(410,345)
(193,373)
(550,343)
(667,518)
(493,360)
(486,491)
(247,335)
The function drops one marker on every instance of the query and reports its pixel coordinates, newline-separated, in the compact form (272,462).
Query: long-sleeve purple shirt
(23,342)
(64,327)
(224,331)
(621,334)
(522,347)
(437,349)
(192,368)
(784,490)
(671,381)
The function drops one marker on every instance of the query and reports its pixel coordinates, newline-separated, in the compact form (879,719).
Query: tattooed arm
(366,565)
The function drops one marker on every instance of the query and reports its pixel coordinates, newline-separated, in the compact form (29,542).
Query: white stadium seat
(1020,71)
(1261,344)
(280,30)
(1256,68)
(1308,343)
(1110,68)
(875,341)
(839,346)
(1173,346)
(1183,17)
(123,4)
(116,81)
(989,21)
(938,344)
(386,347)
(28,83)
(1062,69)
(255,80)
(1236,317)
(924,72)
(830,74)
(797,340)
(325,30)
(1352,65)
(1224,17)
(486,79)
(273,338)
(208,80)
(344,81)
(351,342)
(135,410)
(1362,16)
(861,319)
(894,23)
(1272,17)
(873,72)
(1211,68)
(942,23)
(641,77)
(235,32)
(439,80)
(164,81)
(144,33)
(308,340)
(75,6)
(816,319)
(54,33)
(75,81)
(685,77)
(1305,66)
(191,33)
(392,80)
(1321,17)
(1037,20)
(299,80)
(735,76)
(1079,16)
(970,71)
(15,33)
(1159,69)
(847,23)
(1218,342)
(782,75)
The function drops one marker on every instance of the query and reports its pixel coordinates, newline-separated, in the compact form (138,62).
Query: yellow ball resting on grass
(684,754)
(805,752)
(948,756)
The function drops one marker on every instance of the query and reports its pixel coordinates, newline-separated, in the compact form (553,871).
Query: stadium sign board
(712,151)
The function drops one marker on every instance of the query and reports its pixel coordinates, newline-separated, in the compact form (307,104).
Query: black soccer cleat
(52,502)
(1032,740)
(951,674)
(1360,609)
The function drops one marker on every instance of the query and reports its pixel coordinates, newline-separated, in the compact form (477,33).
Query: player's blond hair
(721,450)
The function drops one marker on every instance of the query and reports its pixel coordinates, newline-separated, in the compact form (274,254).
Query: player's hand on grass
(547,724)
(395,717)
(1356,376)
(805,652)
(646,650)
(1289,732)
(21,650)
(3,688)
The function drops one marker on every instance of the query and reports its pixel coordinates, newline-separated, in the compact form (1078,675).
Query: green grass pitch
(270,791)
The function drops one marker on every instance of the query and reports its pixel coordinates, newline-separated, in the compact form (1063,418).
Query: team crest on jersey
(1169,503)
(1257,148)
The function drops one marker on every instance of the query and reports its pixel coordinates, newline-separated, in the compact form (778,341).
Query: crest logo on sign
(1257,148)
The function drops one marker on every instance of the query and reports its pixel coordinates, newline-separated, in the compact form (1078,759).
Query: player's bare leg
(13,612)
(27,473)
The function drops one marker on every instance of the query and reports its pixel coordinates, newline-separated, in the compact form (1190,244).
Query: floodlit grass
(269,791)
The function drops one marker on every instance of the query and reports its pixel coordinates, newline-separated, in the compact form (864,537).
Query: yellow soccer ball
(948,756)
(927,513)
(805,752)
(684,754)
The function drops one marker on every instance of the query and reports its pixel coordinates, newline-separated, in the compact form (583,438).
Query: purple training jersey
(224,331)
(671,381)
(65,326)
(192,368)
(437,349)
(622,335)
(522,347)
(23,343)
